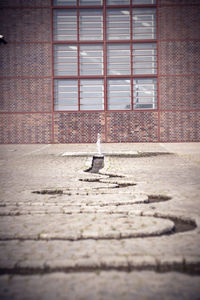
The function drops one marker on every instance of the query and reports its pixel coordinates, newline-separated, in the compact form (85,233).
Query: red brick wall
(182,126)
(25,128)
(25,72)
(25,3)
(80,127)
(179,92)
(132,126)
(179,70)
(26,114)
(25,95)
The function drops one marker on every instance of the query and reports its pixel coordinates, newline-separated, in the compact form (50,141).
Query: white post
(98,143)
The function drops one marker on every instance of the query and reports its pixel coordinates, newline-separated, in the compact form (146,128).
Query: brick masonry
(182,126)
(36,24)
(25,60)
(80,127)
(178,2)
(181,22)
(132,126)
(179,92)
(25,3)
(25,95)
(25,128)
(179,57)
(26,90)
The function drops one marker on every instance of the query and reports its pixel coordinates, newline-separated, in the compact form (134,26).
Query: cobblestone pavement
(130,232)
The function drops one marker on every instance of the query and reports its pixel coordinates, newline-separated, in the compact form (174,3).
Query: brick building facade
(28,66)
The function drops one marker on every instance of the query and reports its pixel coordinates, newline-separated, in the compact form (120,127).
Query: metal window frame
(104,43)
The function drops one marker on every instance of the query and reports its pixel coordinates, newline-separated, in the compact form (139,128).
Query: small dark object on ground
(48,192)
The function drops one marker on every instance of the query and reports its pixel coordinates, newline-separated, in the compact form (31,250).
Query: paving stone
(105,268)
(101,285)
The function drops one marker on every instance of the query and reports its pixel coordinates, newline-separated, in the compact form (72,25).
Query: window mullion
(78,55)
(105,55)
(131,51)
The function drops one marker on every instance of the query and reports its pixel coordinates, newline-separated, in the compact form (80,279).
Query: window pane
(119,94)
(144,58)
(118,24)
(91,59)
(66,94)
(118,59)
(143,1)
(65,60)
(90,2)
(144,23)
(145,93)
(91,94)
(64,25)
(117,2)
(91,24)
(64,2)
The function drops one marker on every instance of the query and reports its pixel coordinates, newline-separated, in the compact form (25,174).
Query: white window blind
(64,2)
(91,59)
(65,25)
(118,24)
(144,23)
(117,2)
(118,59)
(91,94)
(66,94)
(144,58)
(90,2)
(65,60)
(119,94)
(145,93)
(143,2)
(91,24)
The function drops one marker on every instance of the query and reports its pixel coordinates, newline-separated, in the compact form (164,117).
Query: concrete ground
(131,232)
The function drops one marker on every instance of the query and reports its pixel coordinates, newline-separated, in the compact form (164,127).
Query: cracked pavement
(102,238)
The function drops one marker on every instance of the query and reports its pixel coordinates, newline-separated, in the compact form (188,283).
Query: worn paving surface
(102,237)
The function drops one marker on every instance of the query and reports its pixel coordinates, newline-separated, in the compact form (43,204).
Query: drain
(49,192)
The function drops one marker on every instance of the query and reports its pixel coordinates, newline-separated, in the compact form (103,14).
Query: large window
(105,55)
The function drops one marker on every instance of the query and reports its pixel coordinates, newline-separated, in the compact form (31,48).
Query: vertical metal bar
(52,75)
(105,66)
(131,50)
(158,94)
(78,56)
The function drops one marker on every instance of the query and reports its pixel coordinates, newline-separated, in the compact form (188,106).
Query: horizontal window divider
(24,112)
(103,76)
(25,77)
(24,7)
(131,111)
(79,111)
(144,6)
(74,42)
(120,76)
(145,76)
(101,6)
(144,41)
